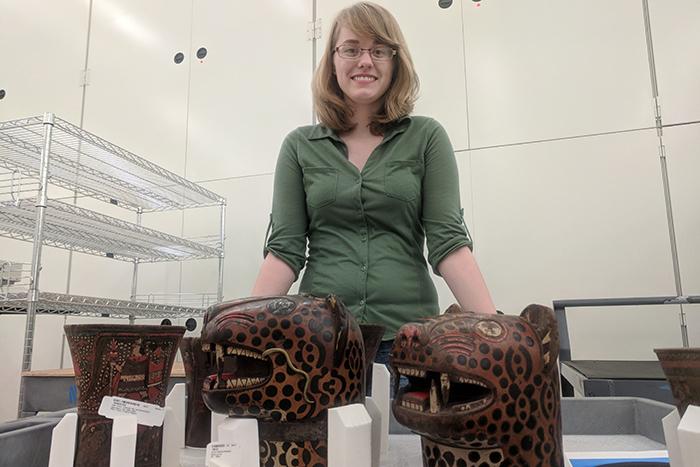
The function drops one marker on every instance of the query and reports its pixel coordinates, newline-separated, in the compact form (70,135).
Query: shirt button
(363,268)
(364,239)
(362,302)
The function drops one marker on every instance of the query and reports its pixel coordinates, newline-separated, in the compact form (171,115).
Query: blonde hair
(369,20)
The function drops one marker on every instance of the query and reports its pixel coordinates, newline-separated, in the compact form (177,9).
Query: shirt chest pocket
(402,179)
(320,185)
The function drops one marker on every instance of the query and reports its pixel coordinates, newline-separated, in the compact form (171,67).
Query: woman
(367,186)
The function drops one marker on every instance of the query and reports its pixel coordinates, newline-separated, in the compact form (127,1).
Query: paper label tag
(223,454)
(146,414)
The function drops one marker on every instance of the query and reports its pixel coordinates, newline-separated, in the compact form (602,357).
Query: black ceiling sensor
(166,322)
(191,324)
(448,3)
(201,53)
(2,93)
(179,57)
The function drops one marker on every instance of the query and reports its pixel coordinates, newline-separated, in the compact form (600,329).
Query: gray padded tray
(589,424)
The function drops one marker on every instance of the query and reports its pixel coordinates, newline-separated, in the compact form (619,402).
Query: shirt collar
(321,132)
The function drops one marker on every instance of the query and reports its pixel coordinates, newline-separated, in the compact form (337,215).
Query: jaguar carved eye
(489,329)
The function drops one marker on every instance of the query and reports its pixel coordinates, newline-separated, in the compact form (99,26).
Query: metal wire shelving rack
(42,151)
(79,229)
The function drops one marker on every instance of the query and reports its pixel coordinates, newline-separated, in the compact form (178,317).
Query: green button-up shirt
(366,229)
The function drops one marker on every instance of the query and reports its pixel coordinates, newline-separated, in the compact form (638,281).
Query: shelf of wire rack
(96,168)
(39,152)
(79,229)
(63,304)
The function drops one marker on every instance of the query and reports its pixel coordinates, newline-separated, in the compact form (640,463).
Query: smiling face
(363,81)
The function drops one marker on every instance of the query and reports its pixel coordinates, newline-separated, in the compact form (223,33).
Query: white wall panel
(464,165)
(434,37)
(581,218)
(676,33)
(43,50)
(252,88)
(692,314)
(683,160)
(445,297)
(12,341)
(100,277)
(623,333)
(161,278)
(540,70)
(137,97)
(249,201)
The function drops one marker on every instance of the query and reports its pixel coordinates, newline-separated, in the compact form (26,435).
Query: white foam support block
(63,441)
(376,416)
(174,426)
(670,424)
(381,395)
(192,457)
(244,433)
(689,436)
(349,436)
(123,450)
(216,420)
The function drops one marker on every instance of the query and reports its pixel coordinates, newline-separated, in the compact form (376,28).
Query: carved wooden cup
(121,360)
(372,336)
(682,369)
(197,367)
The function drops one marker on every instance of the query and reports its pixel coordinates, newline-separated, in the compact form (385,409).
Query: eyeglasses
(380,53)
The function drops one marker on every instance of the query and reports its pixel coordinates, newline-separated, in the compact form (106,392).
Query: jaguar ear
(542,319)
(340,320)
(454,308)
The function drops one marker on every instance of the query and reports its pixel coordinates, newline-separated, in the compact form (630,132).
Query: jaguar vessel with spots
(285,361)
(483,389)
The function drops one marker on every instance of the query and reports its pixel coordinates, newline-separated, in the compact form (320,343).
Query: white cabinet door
(252,87)
(551,69)
(43,53)
(137,96)
(683,157)
(247,215)
(581,218)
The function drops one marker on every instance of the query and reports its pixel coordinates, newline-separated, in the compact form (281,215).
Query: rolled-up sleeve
(288,221)
(442,214)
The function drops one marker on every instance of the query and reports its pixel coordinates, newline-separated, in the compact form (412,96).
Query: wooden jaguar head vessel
(483,389)
(284,360)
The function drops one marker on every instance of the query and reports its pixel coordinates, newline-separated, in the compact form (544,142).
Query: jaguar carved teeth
(243,352)
(243,382)
(434,401)
(472,406)
(445,387)
(412,372)
(471,381)
(412,406)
